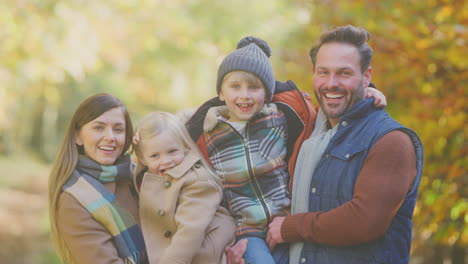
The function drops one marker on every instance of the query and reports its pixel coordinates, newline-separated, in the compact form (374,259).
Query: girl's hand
(380,100)
(234,253)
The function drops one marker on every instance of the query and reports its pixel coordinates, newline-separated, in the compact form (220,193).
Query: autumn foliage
(163,55)
(420,63)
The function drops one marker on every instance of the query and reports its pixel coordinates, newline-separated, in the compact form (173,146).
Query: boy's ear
(221,96)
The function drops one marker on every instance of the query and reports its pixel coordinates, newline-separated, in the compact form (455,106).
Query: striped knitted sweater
(253,166)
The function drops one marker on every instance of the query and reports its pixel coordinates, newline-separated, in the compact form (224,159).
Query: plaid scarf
(310,154)
(85,184)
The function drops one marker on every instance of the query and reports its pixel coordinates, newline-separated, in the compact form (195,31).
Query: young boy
(245,138)
(251,134)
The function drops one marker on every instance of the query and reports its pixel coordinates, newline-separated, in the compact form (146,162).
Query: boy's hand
(380,100)
(234,254)
(274,232)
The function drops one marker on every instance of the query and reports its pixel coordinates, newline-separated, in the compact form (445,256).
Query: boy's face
(244,95)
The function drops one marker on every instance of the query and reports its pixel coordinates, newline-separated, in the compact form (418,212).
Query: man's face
(338,80)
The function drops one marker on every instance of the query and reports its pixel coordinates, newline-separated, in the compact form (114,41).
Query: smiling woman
(93,214)
(103,138)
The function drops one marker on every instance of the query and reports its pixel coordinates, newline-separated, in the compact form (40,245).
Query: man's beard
(356,96)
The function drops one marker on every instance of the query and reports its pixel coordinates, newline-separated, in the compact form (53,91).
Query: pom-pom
(259,42)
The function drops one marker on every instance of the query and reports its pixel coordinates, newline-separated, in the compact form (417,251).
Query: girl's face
(162,152)
(103,138)
(244,95)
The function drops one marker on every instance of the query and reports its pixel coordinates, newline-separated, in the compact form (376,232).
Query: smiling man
(357,176)
(338,80)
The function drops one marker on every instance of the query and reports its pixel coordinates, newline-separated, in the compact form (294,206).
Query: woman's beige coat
(87,239)
(181,219)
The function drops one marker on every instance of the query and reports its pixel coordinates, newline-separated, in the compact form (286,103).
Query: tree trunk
(458,254)
(36,140)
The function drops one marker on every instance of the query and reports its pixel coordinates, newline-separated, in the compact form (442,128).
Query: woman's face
(103,138)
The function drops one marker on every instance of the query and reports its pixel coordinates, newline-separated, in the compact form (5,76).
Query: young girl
(181,218)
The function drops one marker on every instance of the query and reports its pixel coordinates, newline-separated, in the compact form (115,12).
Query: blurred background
(162,55)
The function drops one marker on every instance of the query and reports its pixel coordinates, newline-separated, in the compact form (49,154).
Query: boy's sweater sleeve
(381,187)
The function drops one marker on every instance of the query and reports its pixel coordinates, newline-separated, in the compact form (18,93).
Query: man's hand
(274,232)
(234,254)
(380,100)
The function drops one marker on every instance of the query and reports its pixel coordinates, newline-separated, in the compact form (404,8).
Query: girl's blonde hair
(67,157)
(156,123)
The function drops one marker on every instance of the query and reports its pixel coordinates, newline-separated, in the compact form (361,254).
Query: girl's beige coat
(181,219)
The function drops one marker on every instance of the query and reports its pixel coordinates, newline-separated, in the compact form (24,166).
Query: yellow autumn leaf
(444,13)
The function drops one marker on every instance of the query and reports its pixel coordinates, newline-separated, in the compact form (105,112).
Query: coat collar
(180,170)
(361,110)
(217,113)
(190,159)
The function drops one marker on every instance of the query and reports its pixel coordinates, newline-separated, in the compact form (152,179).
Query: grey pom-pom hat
(252,55)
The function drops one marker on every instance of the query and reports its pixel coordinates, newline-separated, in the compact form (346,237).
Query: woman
(93,212)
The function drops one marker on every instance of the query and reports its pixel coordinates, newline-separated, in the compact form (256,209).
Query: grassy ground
(24,224)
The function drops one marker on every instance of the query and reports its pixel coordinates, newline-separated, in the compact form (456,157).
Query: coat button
(313,190)
(167,184)
(344,123)
(347,156)
(162,213)
(168,234)
(303,260)
(197,165)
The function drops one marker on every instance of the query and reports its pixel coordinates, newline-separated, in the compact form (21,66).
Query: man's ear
(367,76)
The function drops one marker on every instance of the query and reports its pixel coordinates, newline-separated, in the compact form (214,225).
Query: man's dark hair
(352,35)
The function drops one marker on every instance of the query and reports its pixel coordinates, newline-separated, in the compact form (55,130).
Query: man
(357,176)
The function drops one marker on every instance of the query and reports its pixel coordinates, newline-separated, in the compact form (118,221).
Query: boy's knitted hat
(252,55)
